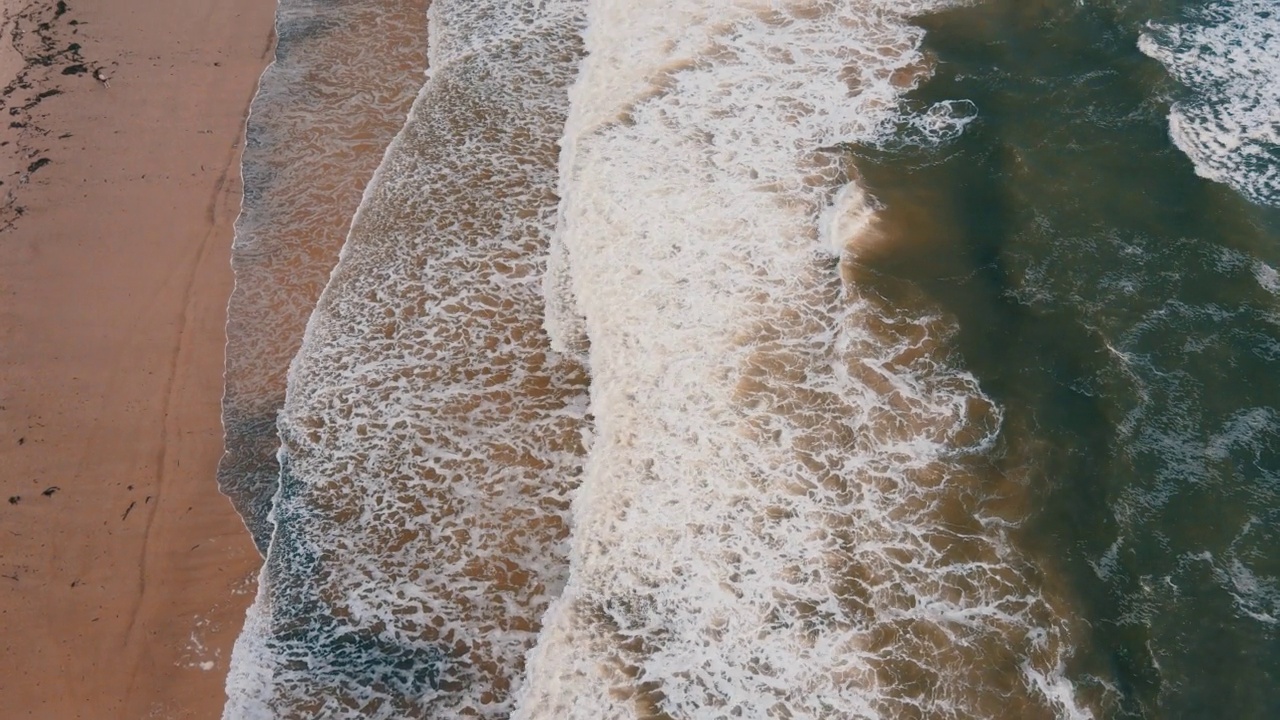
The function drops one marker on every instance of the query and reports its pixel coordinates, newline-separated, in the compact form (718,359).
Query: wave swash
(336,93)
(429,440)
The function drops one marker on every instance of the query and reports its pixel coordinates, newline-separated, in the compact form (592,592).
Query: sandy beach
(125,574)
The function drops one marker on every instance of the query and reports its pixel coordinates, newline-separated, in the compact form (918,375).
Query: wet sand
(125,574)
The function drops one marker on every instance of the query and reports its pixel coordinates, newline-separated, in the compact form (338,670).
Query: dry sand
(123,588)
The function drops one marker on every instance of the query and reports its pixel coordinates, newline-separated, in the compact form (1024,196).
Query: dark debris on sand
(38,31)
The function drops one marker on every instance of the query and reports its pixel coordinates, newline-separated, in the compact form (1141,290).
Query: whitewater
(783,511)
(1226,54)
(603,415)
(429,440)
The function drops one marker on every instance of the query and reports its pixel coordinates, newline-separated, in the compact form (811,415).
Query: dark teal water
(1126,314)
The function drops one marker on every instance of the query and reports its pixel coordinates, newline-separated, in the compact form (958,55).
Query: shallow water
(430,439)
(341,83)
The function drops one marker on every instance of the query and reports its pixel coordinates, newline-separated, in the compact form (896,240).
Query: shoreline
(320,124)
(125,573)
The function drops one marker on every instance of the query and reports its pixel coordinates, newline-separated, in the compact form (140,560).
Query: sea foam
(785,510)
(342,80)
(429,437)
(1228,56)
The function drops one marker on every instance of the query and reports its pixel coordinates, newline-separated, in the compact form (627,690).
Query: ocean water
(429,438)
(338,89)
(791,359)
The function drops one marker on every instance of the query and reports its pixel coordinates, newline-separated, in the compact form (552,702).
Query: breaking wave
(1228,56)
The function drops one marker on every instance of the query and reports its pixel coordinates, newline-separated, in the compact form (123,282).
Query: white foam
(1267,277)
(1228,56)
(338,90)
(429,439)
(847,220)
(1256,595)
(782,512)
